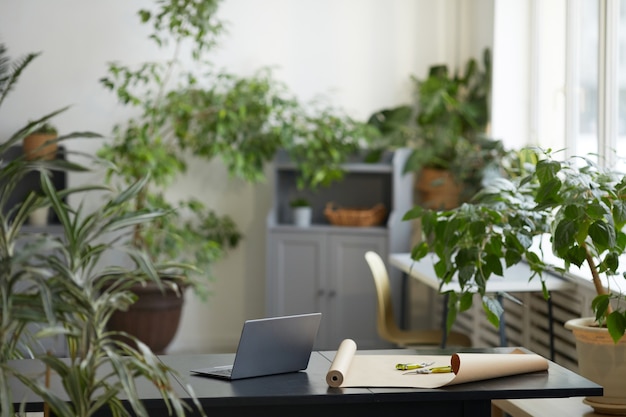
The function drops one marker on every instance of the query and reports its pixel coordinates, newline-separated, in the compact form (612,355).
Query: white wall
(358,53)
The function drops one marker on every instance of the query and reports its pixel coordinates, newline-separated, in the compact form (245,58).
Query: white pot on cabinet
(302,216)
(39,216)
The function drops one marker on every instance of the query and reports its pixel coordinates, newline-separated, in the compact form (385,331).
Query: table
(516,280)
(151,397)
(307,394)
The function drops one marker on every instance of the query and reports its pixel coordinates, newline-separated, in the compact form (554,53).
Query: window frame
(518,112)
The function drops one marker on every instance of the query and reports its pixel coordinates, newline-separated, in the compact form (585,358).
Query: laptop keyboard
(225,371)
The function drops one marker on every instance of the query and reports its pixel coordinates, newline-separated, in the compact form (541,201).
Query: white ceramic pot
(602,361)
(302,216)
(39,216)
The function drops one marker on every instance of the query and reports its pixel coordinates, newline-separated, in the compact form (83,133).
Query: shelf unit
(322,267)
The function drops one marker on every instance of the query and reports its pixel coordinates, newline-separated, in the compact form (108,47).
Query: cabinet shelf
(355,164)
(322,267)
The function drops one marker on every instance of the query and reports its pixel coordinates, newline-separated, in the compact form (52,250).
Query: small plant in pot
(302,211)
(576,206)
(41,143)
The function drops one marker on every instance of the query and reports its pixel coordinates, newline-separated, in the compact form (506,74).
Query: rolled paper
(341,364)
(470,367)
(351,370)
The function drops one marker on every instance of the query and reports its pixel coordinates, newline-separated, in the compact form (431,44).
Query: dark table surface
(306,393)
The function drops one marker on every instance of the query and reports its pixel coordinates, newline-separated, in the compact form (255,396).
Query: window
(583,36)
(560,76)
(594,111)
(621,71)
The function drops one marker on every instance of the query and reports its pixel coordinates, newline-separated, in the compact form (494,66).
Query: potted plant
(580,208)
(446,127)
(41,144)
(54,282)
(302,212)
(76,277)
(243,121)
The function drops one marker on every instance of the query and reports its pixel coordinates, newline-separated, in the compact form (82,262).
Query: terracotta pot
(437,189)
(603,362)
(153,319)
(35,146)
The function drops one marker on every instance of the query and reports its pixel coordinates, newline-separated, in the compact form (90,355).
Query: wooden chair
(386,323)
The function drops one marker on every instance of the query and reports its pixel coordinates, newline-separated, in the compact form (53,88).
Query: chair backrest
(385,319)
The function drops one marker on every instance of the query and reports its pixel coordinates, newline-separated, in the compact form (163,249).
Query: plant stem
(46,406)
(600,290)
(163,83)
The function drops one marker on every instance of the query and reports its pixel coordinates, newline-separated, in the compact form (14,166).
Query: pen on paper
(409,366)
(434,370)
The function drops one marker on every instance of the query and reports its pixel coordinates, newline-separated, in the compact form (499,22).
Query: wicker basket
(355,216)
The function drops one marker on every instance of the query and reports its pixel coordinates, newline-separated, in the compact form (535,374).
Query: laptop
(270,346)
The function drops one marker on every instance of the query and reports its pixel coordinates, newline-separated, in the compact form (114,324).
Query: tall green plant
(58,284)
(578,204)
(210,114)
(25,298)
(146,146)
(446,124)
(84,295)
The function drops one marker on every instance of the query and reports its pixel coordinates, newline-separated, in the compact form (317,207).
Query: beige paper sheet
(351,370)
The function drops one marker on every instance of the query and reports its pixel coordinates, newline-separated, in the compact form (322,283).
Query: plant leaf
(494,310)
(600,304)
(616,324)
(602,234)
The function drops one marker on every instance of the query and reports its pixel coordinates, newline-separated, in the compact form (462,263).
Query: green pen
(424,370)
(409,366)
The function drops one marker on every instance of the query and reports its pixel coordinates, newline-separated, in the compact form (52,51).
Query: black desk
(307,394)
(151,397)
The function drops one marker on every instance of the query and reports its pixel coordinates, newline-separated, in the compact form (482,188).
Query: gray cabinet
(324,271)
(322,267)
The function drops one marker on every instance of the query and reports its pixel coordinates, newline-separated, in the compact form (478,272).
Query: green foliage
(453,106)
(446,125)
(243,121)
(321,142)
(20,307)
(581,206)
(58,285)
(46,128)
(81,295)
(299,202)
(10,71)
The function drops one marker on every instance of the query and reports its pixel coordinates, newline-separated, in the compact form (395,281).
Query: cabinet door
(353,308)
(296,263)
